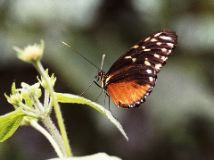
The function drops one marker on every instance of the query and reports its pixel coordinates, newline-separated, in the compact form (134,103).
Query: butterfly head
(100,77)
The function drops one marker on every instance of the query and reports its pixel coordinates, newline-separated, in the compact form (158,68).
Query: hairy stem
(49,125)
(56,107)
(39,128)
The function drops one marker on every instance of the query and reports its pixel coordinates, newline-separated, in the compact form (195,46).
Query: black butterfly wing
(132,77)
(156,48)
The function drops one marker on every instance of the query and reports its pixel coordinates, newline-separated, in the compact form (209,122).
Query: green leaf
(13,88)
(69,98)
(97,156)
(9,124)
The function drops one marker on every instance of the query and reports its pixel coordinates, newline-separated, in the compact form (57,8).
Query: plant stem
(46,98)
(49,137)
(56,107)
(49,125)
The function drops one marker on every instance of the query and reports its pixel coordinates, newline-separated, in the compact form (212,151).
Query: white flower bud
(31,53)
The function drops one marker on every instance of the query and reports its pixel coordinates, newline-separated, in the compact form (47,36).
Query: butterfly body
(133,76)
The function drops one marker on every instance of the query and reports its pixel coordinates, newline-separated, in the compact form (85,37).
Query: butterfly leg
(97,84)
(87,89)
(99,95)
(109,103)
(105,100)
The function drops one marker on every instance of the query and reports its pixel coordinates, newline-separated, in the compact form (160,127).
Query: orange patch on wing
(128,93)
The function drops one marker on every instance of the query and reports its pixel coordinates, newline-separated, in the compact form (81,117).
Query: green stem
(49,125)
(39,128)
(56,107)
(46,98)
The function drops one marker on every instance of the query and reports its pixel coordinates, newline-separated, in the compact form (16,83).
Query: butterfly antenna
(75,51)
(102,62)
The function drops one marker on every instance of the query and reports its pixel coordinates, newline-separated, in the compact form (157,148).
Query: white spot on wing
(147,63)
(166,38)
(153,40)
(134,60)
(149,71)
(151,79)
(158,66)
(163,58)
(163,49)
(170,45)
(131,106)
(158,43)
(157,34)
(137,102)
(135,46)
(146,50)
(169,51)
(156,55)
(148,38)
(128,57)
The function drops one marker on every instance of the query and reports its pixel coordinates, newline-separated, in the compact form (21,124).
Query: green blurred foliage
(176,122)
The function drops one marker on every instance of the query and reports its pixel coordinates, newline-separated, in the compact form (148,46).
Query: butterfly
(133,76)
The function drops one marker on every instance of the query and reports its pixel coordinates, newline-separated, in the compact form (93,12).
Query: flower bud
(31,53)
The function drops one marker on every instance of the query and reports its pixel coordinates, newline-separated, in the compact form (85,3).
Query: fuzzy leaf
(69,98)
(97,156)
(9,124)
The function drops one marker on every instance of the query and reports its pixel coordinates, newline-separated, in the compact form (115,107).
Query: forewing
(152,51)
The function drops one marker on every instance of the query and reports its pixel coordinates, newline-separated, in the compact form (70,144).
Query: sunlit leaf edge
(100,156)
(70,98)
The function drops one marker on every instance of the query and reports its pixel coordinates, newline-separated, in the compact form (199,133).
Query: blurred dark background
(176,122)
